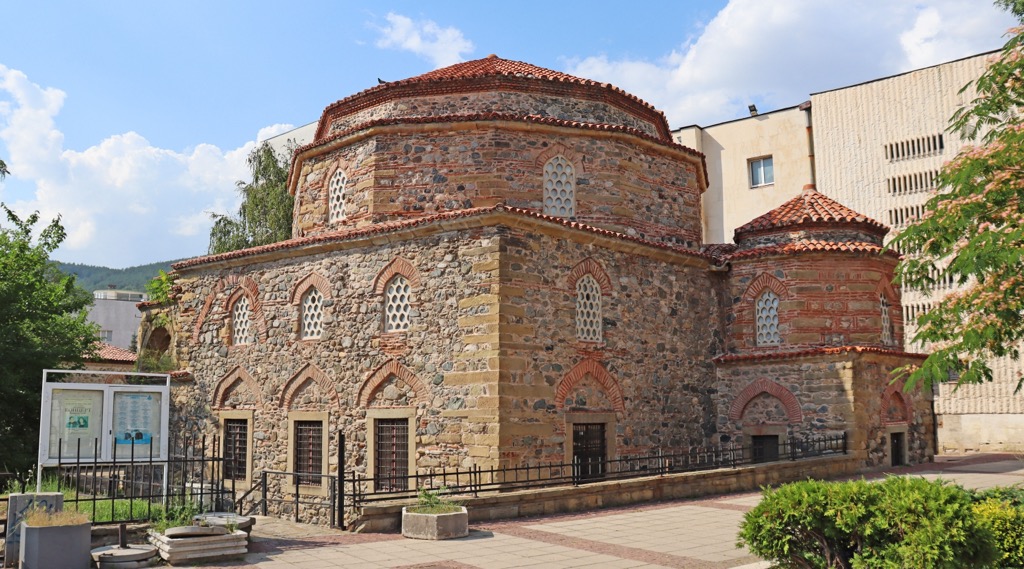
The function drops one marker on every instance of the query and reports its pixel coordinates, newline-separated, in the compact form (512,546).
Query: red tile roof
(813,246)
(108,353)
(825,350)
(467,73)
(809,208)
(396,226)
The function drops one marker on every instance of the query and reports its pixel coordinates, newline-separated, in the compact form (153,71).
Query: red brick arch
(382,374)
(399,266)
(236,376)
(560,149)
(789,401)
(594,369)
(762,282)
(895,390)
(310,280)
(590,267)
(309,372)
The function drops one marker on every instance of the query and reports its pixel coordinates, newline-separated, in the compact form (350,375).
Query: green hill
(92,278)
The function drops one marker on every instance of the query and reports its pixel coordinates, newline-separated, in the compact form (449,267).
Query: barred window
(236,449)
(309,458)
(588,309)
(559,187)
(241,322)
(767,312)
(336,193)
(312,314)
(887,327)
(397,307)
(391,464)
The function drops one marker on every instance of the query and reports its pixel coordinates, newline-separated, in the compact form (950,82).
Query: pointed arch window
(397,304)
(336,196)
(559,187)
(767,313)
(312,315)
(888,334)
(588,310)
(241,322)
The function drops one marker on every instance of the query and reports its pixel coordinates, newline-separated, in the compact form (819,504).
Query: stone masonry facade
(491,259)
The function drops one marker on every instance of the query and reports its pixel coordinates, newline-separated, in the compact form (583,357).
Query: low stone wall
(547,501)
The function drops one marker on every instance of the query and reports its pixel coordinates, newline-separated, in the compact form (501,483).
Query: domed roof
(488,75)
(809,209)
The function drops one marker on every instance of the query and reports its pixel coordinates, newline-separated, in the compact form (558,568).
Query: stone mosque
(495,264)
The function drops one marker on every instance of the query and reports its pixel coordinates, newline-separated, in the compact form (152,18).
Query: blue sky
(132,120)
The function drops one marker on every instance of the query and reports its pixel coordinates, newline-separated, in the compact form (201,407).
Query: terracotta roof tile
(395,226)
(110,353)
(813,246)
(494,65)
(818,351)
(809,208)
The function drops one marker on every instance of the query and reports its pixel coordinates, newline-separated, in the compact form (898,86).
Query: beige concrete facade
(876,148)
(732,199)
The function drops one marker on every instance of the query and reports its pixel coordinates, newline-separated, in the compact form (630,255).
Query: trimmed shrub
(1006,522)
(901,523)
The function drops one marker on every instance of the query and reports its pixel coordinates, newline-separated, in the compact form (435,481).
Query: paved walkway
(692,534)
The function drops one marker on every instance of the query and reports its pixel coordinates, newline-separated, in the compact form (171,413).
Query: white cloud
(776,53)
(123,201)
(440,46)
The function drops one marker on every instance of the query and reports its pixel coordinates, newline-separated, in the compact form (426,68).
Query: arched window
(241,322)
(559,187)
(588,310)
(887,327)
(397,298)
(767,314)
(312,314)
(336,196)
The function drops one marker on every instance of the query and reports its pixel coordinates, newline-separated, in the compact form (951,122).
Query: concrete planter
(48,547)
(435,526)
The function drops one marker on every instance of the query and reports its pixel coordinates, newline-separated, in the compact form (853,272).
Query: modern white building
(115,313)
(876,147)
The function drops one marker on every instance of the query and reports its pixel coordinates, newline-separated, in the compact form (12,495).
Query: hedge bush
(1006,522)
(900,523)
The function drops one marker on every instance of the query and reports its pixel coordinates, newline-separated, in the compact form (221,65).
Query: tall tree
(973,230)
(265,215)
(42,325)
(4,172)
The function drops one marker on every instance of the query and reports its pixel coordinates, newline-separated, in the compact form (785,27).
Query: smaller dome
(810,210)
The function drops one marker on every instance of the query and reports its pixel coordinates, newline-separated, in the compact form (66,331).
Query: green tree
(265,215)
(42,325)
(973,230)
(4,172)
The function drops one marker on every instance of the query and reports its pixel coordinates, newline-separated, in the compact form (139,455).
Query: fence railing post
(263,498)
(844,442)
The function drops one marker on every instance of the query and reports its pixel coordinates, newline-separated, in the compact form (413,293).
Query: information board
(76,423)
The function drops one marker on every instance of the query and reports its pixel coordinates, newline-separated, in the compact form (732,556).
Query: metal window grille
(589,454)
(236,449)
(391,468)
(309,440)
(559,187)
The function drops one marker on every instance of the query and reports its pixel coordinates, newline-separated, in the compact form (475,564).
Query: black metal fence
(332,496)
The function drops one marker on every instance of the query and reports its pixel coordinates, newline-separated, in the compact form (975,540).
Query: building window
(588,309)
(241,322)
(762,172)
(308,447)
(887,327)
(559,188)
(236,449)
(107,336)
(397,304)
(767,313)
(336,193)
(312,322)
(391,454)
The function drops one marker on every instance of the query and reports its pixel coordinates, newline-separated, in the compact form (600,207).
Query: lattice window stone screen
(588,310)
(312,314)
(397,304)
(559,187)
(309,458)
(336,191)
(767,312)
(887,328)
(241,322)
(236,448)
